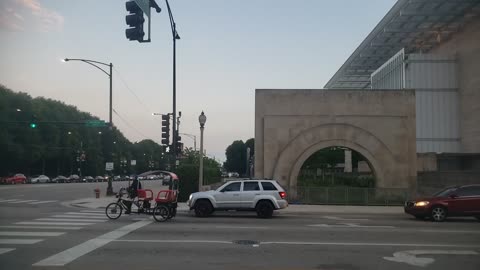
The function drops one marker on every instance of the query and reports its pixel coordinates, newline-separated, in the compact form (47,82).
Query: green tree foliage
(236,157)
(236,154)
(52,147)
(188,172)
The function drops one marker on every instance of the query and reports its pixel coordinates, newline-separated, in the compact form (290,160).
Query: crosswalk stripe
(53,223)
(40,202)
(5,250)
(11,200)
(24,201)
(70,220)
(74,216)
(93,211)
(20,241)
(31,233)
(83,214)
(40,227)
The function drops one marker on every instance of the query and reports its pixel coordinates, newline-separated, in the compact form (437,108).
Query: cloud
(21,15)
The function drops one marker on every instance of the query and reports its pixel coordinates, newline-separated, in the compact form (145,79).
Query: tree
(236,157)
(60,136)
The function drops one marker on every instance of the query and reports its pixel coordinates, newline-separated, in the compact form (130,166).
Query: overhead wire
(144,106)
(131,126)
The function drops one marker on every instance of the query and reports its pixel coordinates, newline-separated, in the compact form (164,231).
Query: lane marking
(74,216)
(20,241)
(93,211)
(82,214)
(11,200)
(5,250)
(40,202)
(177,241)
(71,220)
(53,223)
(349,225)
(24,201)
(40,227)
(76,252)
(368,244)
(409,256)
(31,233)
(241,227)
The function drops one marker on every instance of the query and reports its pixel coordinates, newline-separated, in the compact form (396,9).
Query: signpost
(109,166)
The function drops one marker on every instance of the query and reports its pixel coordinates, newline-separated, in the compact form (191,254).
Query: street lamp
(201,119)
(110,123)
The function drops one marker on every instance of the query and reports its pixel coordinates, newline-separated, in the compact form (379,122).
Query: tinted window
(232,187)
(268,186)
(445,192)
(249,186)
(468,191)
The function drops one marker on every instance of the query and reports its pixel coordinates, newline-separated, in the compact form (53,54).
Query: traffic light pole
(175,36)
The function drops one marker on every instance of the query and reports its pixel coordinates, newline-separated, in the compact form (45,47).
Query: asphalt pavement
(39,231)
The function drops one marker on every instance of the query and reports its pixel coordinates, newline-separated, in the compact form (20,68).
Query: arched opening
(336,166)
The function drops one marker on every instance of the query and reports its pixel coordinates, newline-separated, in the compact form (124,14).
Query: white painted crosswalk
(31,202)
(40,229)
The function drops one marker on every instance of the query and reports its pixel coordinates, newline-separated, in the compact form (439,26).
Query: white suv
(262,196)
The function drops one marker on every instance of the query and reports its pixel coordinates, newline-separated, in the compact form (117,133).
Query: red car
(452,201)
(16,179)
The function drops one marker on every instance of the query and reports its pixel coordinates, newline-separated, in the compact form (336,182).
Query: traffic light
(178,144)
(165,129)
(135,20)
(33,125)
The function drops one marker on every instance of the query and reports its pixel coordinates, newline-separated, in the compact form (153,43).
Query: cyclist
(133,192)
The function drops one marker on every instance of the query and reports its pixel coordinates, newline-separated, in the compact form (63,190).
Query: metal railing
(348,195)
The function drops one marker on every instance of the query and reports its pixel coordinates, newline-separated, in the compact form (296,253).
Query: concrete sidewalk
(93,203)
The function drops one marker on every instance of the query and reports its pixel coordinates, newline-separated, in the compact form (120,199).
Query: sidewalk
(101,203)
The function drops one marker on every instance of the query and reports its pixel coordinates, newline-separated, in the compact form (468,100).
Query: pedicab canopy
(171,176)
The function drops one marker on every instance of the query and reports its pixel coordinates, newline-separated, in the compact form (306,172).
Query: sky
(228,48)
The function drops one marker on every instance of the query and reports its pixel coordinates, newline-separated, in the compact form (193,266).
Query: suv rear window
(250,186)
(268,186)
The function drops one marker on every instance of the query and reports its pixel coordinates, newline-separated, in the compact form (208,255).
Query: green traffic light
(33,125)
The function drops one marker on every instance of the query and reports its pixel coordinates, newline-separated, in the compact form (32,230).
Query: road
(38,231)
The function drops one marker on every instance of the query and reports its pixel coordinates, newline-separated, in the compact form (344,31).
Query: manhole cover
(246,242)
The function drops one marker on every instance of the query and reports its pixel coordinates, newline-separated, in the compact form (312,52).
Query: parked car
(16,179)
(60,179)
(99,179)
(88,179)
(74,178)
(117,178)
(450,202)
(262,196)
(40,179)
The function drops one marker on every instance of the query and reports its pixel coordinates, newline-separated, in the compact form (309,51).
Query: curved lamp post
(110,123)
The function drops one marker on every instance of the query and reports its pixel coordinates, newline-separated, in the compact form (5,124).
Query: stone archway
(291,125)
(310,141)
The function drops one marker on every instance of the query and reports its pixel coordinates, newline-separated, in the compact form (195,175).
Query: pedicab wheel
(161,213)
(113,210)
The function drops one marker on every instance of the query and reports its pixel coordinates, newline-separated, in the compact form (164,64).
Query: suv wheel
(264,209)
(439,213)
(203,208)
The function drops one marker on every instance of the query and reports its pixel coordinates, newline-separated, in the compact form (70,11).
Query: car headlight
(422,203)
(190,197)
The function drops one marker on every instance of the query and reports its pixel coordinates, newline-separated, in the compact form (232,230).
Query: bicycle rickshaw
(162,207)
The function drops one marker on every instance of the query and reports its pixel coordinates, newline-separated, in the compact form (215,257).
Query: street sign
(133,162)
(109,166)
(95,123)
(145,6)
